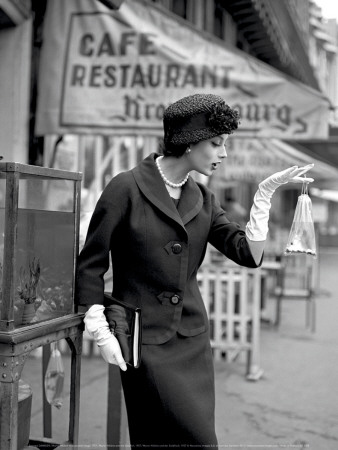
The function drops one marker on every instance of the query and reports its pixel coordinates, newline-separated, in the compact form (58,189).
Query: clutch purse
(125,323)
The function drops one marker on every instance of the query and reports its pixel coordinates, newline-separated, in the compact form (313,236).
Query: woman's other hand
(111,353)
(98,328)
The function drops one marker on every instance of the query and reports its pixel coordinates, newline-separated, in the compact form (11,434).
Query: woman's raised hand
(292,174)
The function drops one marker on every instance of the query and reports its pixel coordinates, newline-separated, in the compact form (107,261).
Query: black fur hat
(196,118)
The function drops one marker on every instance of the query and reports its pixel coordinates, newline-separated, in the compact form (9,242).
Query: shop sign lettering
(121,69)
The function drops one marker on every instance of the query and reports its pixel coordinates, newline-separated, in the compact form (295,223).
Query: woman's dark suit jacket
(156,250)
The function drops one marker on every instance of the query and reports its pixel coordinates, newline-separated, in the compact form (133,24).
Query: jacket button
(176,248)
(174,299)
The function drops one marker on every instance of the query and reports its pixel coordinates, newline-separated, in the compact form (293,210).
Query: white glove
(257,227)
(98,328)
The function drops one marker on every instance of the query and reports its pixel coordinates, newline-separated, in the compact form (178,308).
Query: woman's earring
(188,150)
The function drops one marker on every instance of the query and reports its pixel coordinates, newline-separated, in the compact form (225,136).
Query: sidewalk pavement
(293,405)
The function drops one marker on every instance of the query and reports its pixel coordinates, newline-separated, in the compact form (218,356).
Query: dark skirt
(170,398)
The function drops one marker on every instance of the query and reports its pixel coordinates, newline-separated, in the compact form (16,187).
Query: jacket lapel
(191,201)
(151,184)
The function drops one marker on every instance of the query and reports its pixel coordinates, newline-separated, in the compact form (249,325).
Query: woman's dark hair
(170,149)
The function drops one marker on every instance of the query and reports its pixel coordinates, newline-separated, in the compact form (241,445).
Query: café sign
(114,72)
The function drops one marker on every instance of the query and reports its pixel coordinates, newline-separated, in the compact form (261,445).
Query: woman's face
(206,156)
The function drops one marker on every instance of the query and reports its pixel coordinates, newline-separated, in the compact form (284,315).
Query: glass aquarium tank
(39,227)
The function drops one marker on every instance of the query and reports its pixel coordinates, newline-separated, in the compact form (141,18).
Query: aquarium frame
(13,171)
(39,171)
(11,223)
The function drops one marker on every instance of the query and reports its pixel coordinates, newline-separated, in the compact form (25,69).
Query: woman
(156,222)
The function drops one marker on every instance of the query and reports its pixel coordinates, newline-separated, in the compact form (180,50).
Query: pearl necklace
(165,179)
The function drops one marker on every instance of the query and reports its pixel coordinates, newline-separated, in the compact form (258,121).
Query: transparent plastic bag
(302,234)
(54,378)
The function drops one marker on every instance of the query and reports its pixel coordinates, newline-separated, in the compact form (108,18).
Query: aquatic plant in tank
(27,289)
